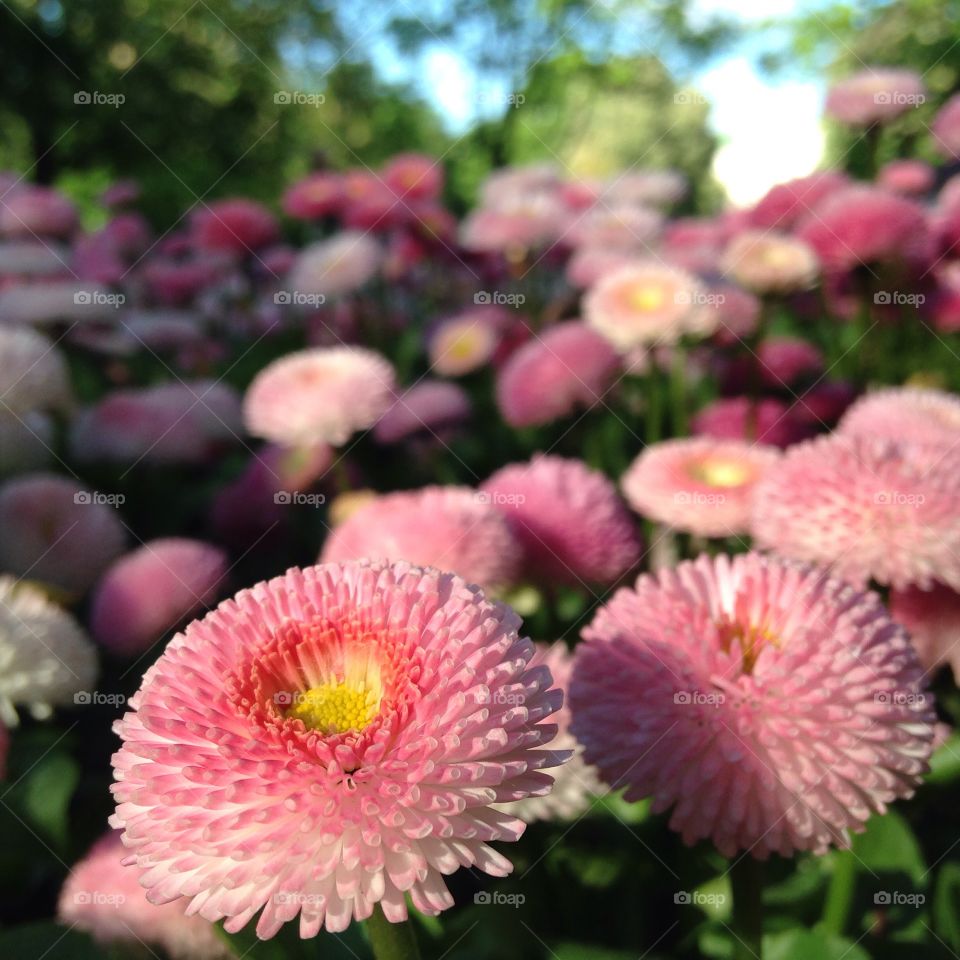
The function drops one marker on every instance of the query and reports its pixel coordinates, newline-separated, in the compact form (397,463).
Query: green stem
(836,910)
(746,879)
(391,941)
(678,391)
(654,418)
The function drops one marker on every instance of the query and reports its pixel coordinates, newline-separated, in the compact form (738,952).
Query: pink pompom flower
(566,367)
(875,95)
(337,266)
(319,395)
(465,342)
(414,176)
(774,708)
(449,528)
(699,485)
(766,421)
(786,204)
(30,212)
(314,197)
(867,507)
(932,618)
(906,413)
(767,263)
(912,178)
(946,128)
(151,591)
(235,226)
(573,526)
(330,740)
(430,408)
(103,897)
(57,532)
(647,304)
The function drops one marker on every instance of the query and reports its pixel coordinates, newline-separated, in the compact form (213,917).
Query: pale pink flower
(330,740)
(658,188)
(573,526)
(465,342)
(148,593)
(946,128)
(319,395)
(909,177)
(765,263)
(906,413)
(57,532)
(774,708)
(932,618)
(575,784)
(587,265)
(616,227)
(566,367)
(449,528)
(698,485)
(867,507)
(645,304)
(427,409)
(103,897)
(337,266)
(875,95)
(29,211)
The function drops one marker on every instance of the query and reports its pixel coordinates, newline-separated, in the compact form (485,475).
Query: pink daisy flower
(906,413)
(428,409)
(337,266)
(658,188)
(121,193)
(236,226)
(946,128)
(102,897)
(875,95)
(149,592)
(588,265)
(57,532)
(566,367)
(465,342)
(316,196)
(57,301)
(414,176)
(867,507)
(646,304)
(575,784)
(766,263)
(786,204)
(699,485)
(449,528)
(29,212)
(909,177)
(624,226)
(573,526)
(319,395)
(867,225)
(339,735)
(766,421)
(26,259)
(932,618)
(775,709)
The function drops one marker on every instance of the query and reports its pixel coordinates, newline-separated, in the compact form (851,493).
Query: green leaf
(946,904)
(810,944)
(47,792)
(580,951)
(889,846)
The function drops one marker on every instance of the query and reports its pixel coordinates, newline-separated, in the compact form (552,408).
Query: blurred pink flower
(316,196)
(565,367)
(33,212)
(349,729)
(465,342)
(932,618)
(766,421)
(875,95)
(946,128)
(906,413)
(319,395)
(146,594)
(699,485)
(414,176)
(772,707)
(766,263)
(449,528)
(573,526)
(428,408)
(909,177)
(236,226)
(787,204)
(337,266)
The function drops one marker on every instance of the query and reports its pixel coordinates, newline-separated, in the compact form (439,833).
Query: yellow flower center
(751,639)
(646,297)
(337,707)
(721,473)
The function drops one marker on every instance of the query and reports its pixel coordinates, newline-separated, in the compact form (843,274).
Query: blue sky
(769,127)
